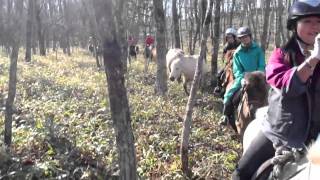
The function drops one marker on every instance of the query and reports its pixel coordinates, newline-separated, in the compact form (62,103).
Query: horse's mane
(228,56)
(256,84)
(228,77)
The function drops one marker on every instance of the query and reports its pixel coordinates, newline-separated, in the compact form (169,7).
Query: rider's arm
(305,70)
(261,61)
(238,73)
(281,75)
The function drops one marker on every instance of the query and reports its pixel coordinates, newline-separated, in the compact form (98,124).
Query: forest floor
(62,127)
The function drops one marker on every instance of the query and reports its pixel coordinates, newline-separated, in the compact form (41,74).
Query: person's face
(308,28)
(230,38)
(245,40)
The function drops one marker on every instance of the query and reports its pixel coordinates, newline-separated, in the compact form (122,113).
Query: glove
(315,53)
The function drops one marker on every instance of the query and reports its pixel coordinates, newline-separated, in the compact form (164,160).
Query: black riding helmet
(301,9)
(243,31)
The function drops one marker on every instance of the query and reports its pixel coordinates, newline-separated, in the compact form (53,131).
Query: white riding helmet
(231,31)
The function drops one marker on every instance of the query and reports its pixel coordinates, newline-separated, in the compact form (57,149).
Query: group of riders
(134,49)
(293,73)
(95,46)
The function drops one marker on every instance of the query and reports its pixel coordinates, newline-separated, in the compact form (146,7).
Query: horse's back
(254,127)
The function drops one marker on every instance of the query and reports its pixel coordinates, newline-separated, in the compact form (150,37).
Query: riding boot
(232,123)
(227,113)
(218,90)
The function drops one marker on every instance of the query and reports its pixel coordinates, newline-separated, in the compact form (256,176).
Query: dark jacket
(292,110)
(231,46)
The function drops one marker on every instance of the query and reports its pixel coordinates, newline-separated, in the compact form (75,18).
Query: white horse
(179,65)
(307,168)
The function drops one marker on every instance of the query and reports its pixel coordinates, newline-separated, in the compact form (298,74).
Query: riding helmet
(231,31)
(243,31)
(301,9)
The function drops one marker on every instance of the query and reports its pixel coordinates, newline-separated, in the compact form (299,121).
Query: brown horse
(228,73)
(254,96)
(225,76)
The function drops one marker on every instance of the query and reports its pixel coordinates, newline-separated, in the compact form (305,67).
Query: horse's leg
(185,87)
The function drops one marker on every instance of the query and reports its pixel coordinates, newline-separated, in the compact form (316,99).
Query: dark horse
(133,51)
(150,53)
(254,95)
(225,76)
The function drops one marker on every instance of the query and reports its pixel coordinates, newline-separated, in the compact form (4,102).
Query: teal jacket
(245,60)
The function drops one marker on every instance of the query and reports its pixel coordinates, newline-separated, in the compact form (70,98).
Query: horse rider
(292,119)
(149,41)
(231,44)
(247,57)
(231,40)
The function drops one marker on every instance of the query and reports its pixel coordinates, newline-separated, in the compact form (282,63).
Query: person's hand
(315,53)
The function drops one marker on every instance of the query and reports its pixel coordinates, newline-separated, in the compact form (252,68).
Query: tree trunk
(15,41)
(119,105)
(11,94)
(121,19)
(251,15)
(191,19)
(90,8)
(29,30)
(277,40)
(67,28)
(215,43)
(198,24)
(40,30)
(195,84)
(264,33)
(175,20)
(161,77)
(231,12)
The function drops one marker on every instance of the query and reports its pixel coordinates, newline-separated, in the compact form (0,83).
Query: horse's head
(176,70)
(255,94)
(227,76)
(256,89)
(171,55)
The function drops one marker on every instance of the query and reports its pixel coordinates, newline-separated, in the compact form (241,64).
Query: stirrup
(224,120)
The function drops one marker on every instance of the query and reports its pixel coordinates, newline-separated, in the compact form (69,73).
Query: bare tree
(29,30)
(119,105)
(40,28)
(14,36)
(215,42)
(191,28)
(279,11)
(161,78)
(264,33)
(175,22)
(67,22)
(231,12)
(198,24)
(195,84)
